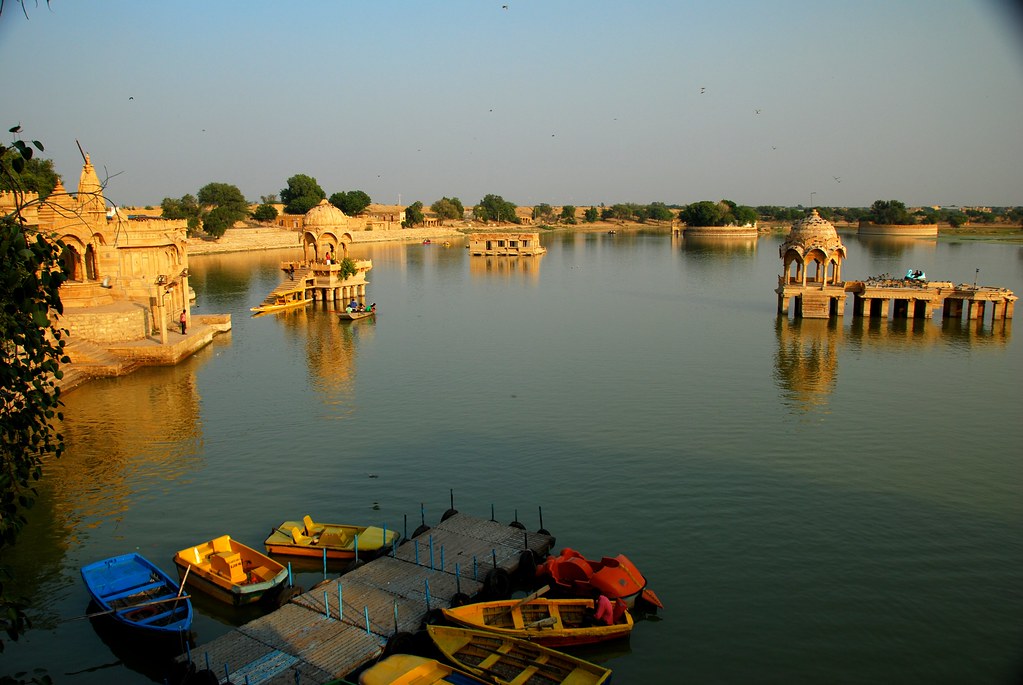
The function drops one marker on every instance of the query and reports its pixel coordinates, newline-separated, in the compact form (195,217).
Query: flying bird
(838,179)
(131,98)
(702,90)
(757,111)
(504,7)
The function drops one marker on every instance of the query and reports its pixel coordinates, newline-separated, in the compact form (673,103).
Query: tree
(568,214)
(495,208)
(889,212)
(265,212)
(658,211)
(703,213)
(351,203)
(270,199)
(448,208)
(591,215)
(543,212)
(302,194)
(31,351)
(414,214)
(187,208)
(36,176)
(227,205)
(743,216)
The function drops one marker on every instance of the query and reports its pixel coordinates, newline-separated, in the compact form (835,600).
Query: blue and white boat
(138,594)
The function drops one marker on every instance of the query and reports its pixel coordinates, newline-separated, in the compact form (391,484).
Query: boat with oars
(138,594)
(549,622)
(230,571)
(340,542)
(508,661)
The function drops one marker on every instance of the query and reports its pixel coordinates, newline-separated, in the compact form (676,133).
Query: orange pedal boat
(572,574)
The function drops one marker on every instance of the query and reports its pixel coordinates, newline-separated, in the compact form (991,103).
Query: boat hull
(138,594)
(337,540)
(572,575)
(355,316)
(231,572)
(548,622)
(406,669)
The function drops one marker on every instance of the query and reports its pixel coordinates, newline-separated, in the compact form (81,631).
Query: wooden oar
(524,600)
(130,607)
(183,579)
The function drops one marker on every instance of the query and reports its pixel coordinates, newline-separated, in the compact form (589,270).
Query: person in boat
(372,307)
(603,612)
(353,305)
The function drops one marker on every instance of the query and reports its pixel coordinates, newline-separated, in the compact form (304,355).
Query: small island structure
(812,256)
(506,244)
(322,273)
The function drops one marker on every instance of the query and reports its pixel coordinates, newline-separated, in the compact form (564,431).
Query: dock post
(475,569)
(493,556)
(207,655)
(291,583)
(324,563)
(426,582)
(326,605)
(458,579)
(356,549)
(340,604)
(442,557)
(365,612)
(395,616)
(431,552)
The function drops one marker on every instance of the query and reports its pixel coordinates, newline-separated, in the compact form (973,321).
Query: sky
(791,102)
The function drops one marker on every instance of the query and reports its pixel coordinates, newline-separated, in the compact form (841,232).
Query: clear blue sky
(564,102)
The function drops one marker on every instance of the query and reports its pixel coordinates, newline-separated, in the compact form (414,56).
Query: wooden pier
(344,624)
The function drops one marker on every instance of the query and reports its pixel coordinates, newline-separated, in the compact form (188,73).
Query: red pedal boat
(614,577)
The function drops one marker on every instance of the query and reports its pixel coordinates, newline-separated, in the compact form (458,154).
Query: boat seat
(298,538)
(138,589)
(333,537)
(262,573)
(228,565)
(310,527)
(221,544)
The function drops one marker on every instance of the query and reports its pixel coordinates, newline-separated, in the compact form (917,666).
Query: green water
(813,501)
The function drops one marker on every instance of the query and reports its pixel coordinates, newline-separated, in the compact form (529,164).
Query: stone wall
(107,325)
(919,230)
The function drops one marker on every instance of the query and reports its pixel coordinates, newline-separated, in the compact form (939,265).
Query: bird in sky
(702,90)
(838,179)
(757,111)
(504,7)
(131,98)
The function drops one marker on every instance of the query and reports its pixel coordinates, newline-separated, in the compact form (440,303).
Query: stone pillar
(1009,306)
(997,310)
(783,304)
(975,309)
(883,313)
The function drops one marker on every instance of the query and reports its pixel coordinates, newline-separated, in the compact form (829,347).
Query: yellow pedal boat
(229,571)
(307,539)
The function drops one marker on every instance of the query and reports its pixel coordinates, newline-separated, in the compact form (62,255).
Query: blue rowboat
(138,594)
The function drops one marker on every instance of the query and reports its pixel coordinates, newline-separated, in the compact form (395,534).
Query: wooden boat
(355,316)
(137,593)
(507,661)
(307,539)
(549,622)
(406,669)
(229,571)
(614,577)
(280,300)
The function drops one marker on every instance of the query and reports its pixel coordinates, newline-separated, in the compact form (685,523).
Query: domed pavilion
(812,257)
(325,229)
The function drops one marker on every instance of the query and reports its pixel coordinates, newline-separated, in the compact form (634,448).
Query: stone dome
(325,215)
(812,233)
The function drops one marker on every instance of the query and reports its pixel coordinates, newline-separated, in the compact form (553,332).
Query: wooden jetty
(343,624)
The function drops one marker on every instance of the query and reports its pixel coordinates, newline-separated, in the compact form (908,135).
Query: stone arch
(91,270)
(72,257)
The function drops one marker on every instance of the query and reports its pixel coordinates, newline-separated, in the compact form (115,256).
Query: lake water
(813,501)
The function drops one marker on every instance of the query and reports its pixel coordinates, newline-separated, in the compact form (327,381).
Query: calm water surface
(813,501)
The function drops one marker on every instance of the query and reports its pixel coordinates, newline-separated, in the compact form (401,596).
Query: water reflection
(506,267)
(806,363)
(721,246)
(894,246)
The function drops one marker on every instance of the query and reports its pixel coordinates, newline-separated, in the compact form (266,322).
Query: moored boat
(614,577)
(340,542)
(549,622)
(355,316)
(508,661)
(230,571)
(282,299)
(137,593)
(407,669)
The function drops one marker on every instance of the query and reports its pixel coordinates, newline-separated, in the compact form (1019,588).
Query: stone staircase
(90,361)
